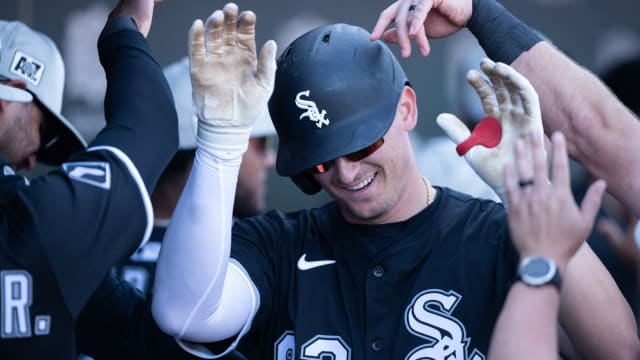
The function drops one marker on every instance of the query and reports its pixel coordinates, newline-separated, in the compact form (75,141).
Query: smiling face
(385,186)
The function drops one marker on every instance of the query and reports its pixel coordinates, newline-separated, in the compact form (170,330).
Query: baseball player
(63,231)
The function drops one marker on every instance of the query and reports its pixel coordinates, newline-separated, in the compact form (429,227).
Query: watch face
(537,270)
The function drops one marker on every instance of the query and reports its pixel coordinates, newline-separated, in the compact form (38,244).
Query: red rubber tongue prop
(487,133)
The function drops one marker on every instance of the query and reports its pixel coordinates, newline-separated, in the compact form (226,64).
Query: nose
(346,170)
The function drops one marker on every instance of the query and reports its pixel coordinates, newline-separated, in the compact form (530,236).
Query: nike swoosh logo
(304,265)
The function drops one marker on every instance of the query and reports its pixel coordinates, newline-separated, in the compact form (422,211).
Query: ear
(13,83)
(408,109)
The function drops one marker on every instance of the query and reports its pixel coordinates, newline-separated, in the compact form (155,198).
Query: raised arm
(231,86)
(600,130)
(544,220)
(141,118)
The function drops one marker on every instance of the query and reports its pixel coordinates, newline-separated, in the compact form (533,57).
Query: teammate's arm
(600,130)
(544,220)
(96,208)
(139,110)
(200,296)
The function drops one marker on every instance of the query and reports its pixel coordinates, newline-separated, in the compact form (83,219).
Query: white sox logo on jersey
(429,317)
(311,108)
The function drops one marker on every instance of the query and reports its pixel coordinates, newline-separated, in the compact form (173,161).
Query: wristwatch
(539,271)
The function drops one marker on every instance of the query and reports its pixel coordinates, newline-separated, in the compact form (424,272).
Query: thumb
(455,129)
(592,200)
(266,71)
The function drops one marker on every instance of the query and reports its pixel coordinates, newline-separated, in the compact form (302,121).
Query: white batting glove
(509,98)
(231,86)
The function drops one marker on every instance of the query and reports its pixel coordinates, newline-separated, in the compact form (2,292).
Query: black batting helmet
(335,92)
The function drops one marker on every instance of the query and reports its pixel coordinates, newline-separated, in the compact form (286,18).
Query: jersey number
(321,347)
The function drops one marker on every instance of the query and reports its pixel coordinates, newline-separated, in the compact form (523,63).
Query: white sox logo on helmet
(312,111)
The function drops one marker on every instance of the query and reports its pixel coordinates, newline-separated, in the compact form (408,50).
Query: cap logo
(27,67)
(311,110)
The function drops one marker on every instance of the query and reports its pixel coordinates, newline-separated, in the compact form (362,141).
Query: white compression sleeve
(189,302)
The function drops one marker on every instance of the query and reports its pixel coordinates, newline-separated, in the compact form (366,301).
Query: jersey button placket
(378,271)
(376,345)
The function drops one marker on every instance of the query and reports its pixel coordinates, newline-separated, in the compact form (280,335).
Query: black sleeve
(95,209)
(117,324)
(139,108)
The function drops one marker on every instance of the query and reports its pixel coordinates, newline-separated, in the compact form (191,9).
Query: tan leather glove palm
(512,100)
(231,86)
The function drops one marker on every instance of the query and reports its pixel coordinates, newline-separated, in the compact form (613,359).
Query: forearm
(538,309)
(593,312)
(600,130)
(141,118)
(194,260)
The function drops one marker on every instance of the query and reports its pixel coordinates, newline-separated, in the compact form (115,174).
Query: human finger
(266,71)
(523,165)
(520,86)
(501,92)
(402,28)
(485,91)
(196,45)
(416,25)
(213,32)
(455,129)
(247,30)
(390,36)
(230,24)
(559,161)
(511,185)
(384,20)
(591,201)
(540,175)
(515,100)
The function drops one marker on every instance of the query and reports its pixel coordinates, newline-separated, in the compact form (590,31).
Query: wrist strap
(502,36)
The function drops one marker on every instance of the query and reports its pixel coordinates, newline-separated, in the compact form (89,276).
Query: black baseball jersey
(60,234)
(139,269)
(430,287)
(117,324)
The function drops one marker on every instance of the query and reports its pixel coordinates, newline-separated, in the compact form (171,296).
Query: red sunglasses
(354,156)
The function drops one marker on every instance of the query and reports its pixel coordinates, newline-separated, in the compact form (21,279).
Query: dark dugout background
(595,33)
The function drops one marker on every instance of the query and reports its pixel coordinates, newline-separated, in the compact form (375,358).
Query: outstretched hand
(141,11)
(419,20)
(507,97)
(231,84)
(543,216)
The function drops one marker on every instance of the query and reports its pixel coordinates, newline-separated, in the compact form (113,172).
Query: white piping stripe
(146,200)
